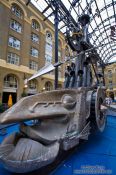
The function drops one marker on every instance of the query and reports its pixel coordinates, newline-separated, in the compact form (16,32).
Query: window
(59,48)
(109,73)
(15,43)
(13,58)
(33,65)
(10,81)
(48,48)
(110,84)
(59,53)
(33,85)
(17,11)
(59,72)
(48,86)
(48,59)
(15,26)
(35,38)
(48,37)
(35,25)
(34,52)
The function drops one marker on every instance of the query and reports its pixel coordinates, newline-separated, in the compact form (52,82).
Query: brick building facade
(26,45)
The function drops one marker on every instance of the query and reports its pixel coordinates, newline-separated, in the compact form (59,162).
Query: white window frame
(34,52)
(59,53)
(13,58)
(33,65)
(35,25)
(32,85)
(16,26)
(48,86)
(48,59)
(48,48)
(10,83)
(48,37)
(35,38)
(17,11)
(14,42)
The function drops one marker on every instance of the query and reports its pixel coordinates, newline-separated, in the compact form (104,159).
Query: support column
(85,70)
(56,21)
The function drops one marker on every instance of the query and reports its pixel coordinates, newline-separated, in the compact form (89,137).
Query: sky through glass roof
(103,21)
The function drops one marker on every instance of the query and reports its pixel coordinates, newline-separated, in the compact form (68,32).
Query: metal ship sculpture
(64,116)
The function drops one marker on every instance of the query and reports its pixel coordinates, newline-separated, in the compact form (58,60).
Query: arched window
(33,85)
(17,11)
(59,72)
(59,44)
(59,49)
(35,25)
(48,48)
(48,86)
(48,37)
(110,84)
(110,73)
(10,81)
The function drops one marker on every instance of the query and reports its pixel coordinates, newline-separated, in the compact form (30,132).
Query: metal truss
(101,10)
(100,31)
(104,21)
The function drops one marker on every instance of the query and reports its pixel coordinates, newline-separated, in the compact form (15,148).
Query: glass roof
(102,28)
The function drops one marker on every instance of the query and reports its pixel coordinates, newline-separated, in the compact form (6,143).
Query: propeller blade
(46,69)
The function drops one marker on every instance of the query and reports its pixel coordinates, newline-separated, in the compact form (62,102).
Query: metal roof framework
(103,18)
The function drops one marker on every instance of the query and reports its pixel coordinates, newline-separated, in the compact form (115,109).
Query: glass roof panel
(102,18)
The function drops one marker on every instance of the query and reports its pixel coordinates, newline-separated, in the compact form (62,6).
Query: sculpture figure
(64,116)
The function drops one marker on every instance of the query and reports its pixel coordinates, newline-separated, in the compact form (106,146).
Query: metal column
(56,21)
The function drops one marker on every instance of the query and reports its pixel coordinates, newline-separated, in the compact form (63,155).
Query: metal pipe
(88,76)
(94,71)
(77,64)
(85,74)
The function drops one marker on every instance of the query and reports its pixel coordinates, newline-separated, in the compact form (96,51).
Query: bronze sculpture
(64,116)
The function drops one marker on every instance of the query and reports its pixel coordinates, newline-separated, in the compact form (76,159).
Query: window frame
(13,44)
(13,28)
(10,84)
(48,86)
(12,56)
(32,38)
(17,12)
(33,65)
(32,85)
(35,25)
(48,48)
(32,52)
